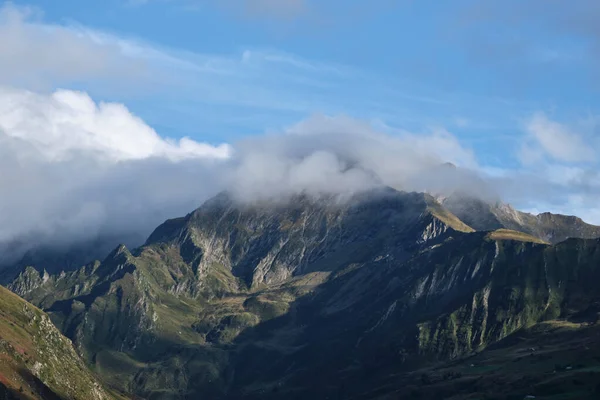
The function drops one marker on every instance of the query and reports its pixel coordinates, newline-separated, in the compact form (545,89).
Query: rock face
(38,362)
(265,244)
(309,298)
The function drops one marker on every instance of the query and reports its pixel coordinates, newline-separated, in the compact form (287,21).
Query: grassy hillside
(36,360)
(508,234)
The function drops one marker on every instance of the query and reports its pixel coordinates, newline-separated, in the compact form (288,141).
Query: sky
(122,113)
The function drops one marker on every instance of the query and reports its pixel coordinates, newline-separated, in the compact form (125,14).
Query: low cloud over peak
(72,169)
(339,154)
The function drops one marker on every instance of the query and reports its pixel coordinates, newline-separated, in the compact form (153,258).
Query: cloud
(340,154)
(74,170)
(559,168)
(577,18)
(521,46)
(37,54)
(227,94)
(547,137)
(67,123)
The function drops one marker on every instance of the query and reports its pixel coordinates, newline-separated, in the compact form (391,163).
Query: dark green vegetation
(334,299)
(36,360)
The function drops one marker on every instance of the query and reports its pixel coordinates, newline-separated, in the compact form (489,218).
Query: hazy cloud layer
(72,169)
(326,154)
(34,54)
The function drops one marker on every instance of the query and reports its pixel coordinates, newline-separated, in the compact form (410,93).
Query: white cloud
(462,122)
(340,154)
(72,169)
(547,137)
(67,122)
(75,170)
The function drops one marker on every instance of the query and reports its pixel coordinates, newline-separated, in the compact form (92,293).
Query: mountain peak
(119,252)
(449,165)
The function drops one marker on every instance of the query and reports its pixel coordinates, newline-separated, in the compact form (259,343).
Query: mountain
(38,362)
(486,216)
(60,257)
(329,297)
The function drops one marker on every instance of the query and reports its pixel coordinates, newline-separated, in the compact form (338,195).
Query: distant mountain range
(385,295)
(551,228)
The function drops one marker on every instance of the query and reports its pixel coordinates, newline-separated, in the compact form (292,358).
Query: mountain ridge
(549,227)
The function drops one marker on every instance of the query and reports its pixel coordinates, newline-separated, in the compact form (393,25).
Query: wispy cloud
(521,36)
(220,94)
(555,140)
(37,54)
(559,167)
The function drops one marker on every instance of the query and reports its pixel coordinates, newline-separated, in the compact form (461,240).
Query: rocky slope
(37,361)
(310,298)
(485,216)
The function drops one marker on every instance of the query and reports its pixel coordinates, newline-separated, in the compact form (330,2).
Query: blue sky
(410,63)
(476,68)
(506,88)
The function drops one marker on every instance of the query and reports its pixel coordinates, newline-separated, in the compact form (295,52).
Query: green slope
(37,362)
